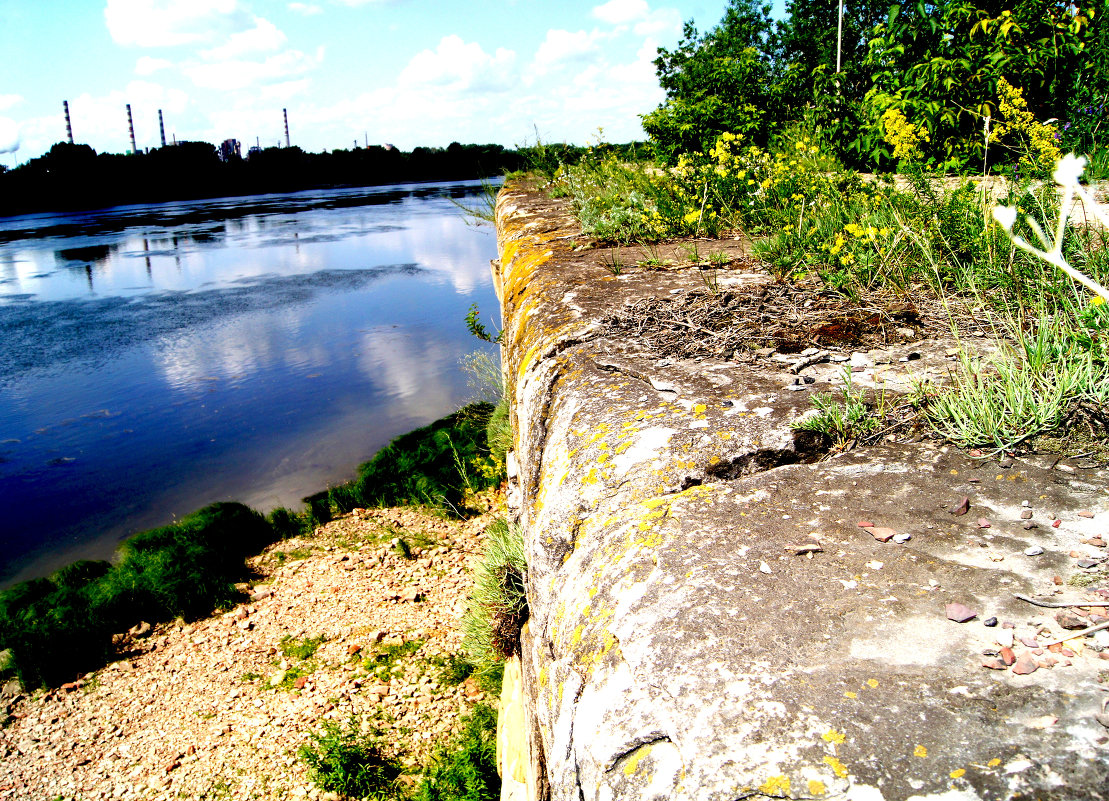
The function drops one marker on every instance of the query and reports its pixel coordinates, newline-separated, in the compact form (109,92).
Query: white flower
(1069,169)
(1006,215)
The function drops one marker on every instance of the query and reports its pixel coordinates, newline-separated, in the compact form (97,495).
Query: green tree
(723,80)
(939,62)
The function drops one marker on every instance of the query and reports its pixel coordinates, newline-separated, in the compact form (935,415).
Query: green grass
(498,605)
(381,661)
(61,626)
(345,759)
(841,419)
(465,769)
(293,648)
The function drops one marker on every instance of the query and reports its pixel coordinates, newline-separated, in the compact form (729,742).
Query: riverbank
(217,708)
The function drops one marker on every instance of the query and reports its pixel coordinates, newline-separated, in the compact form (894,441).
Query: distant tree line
(938,62)
(77,177)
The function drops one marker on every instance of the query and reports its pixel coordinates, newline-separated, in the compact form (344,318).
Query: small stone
(1026,514)
(961,506)
(1033,550)
(901,539)
(1026,504)
(1056,523)
(1028,525)
(881,533)
(1007,656)
(1086,564)
(1097,542)
(353,649)
(960,613)
(865,524)
(993,664)
(1025,665)
(990,622)
(764,568)
(300,682)
(1085,513)
(974,453)
(983,523)
(1057,580)
(1030,642)
(1070,620)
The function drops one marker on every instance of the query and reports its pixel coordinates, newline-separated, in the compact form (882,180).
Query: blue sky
(407,72)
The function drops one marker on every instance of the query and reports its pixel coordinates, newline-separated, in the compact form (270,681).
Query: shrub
(343,759)
(465,769)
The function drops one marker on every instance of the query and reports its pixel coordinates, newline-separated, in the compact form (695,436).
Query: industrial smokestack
(131,128)
(68,127)
(285,111)
(161,127)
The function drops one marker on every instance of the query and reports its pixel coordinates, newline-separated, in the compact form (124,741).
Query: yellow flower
(1097,301)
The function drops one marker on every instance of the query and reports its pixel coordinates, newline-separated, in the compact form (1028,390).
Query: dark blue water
(157,358)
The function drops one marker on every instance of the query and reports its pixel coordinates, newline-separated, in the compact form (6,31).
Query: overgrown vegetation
(498,603)
(351,761)
(61,626)
(940,64)
(465,768)
(440,465)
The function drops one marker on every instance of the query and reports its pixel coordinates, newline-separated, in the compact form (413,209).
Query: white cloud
(241,74)
(286,90)
(307,9)
(9,135)
(665,22)
(10,101)
(263,37)
(168,23)
(459,66)
(620,12)
(562,47)
(148,65)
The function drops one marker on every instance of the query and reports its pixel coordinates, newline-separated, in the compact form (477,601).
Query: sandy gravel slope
(213,709)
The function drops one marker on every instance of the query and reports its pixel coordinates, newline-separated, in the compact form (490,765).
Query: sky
(404,72)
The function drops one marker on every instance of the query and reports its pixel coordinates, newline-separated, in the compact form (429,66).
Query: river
(156,358)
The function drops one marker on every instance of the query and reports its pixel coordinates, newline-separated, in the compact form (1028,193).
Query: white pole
(839,36)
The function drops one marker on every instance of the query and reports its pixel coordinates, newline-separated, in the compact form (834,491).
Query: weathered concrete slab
(709,620)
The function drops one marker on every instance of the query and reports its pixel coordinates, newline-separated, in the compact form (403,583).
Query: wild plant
(498,604)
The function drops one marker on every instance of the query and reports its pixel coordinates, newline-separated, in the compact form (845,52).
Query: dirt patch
(786,318)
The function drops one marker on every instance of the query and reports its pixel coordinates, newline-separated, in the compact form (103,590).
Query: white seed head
(1006,215)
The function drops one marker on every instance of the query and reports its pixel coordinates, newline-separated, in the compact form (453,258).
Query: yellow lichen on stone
(631,765)
(836,766)
(816,787)
(777,786)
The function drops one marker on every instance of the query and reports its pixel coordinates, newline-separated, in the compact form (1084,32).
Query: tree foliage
(939,63)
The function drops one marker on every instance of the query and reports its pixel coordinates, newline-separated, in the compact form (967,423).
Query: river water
(156,358)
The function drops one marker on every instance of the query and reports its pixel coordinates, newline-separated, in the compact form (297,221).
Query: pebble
(960,613)
(1033,550)
(1026,514)
(1024,665)
(901,539)
(961,506)
(990,622)
(881,533)
(1085,513)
